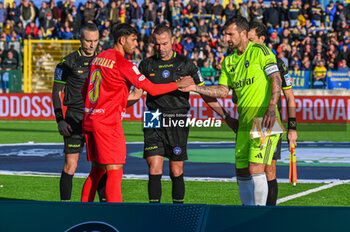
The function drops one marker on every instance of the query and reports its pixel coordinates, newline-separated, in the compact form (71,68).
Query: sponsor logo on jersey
(177,151)
(166,66)
(151,119)
(166,74)
(141,78)
(136,70)
(231,68)
(258,156)
(58,74)
(74,145)
(288,79)
(92,226)
(240,84)
(200,76)
(151,148)
(246,64)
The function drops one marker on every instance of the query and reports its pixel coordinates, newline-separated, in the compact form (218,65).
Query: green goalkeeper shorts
(251,150)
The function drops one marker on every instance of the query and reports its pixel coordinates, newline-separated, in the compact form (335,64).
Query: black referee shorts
(277,154)
(75,142)
(168,142)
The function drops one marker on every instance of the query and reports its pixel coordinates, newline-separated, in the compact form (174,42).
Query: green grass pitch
(38,188)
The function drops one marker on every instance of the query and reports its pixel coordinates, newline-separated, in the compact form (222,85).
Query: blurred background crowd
(305,35)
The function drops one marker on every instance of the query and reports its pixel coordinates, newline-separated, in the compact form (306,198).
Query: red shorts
(106,146)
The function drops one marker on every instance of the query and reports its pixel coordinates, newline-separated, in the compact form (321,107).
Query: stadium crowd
(303,34)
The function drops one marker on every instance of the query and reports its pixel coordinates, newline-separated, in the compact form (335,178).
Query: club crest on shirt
(166,74)
(247,64)
(177,150)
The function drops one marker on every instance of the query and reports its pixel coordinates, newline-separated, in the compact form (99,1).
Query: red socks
(91,184)
(113,185)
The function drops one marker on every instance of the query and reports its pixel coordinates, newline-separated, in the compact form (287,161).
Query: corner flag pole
(293,167)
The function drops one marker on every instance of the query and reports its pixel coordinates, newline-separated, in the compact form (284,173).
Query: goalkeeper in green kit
(253,74)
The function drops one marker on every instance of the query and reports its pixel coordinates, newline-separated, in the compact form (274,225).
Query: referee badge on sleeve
(58,74)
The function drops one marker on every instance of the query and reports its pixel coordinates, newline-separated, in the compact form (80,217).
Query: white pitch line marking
(301,194)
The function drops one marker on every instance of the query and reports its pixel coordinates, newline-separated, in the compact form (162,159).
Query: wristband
(59,115)
(292,124)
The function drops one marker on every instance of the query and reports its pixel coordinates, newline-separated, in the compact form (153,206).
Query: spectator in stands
(7,28)
(3,14)
(218,11)
(283,8)
(27,13)
(343,66)
(31,30)
(305,13)
(164,10)
(14,12)
(293,14)
(329,14)
(201,26)
(113,14)
(9,63)
(244,11)
(230,10)
(272,15)
(175,9)
(48,26)
(74,24)
(56,12)
(319,74)
(101,13)
(339,16)
(43,12)
(188,46)
(136,14)
(284,47)
(306,66)
(88,13)
(19,29)
(283,57)
(256,12)
(66,32)
(317,13)
(150,15)
(344,54)
(208,73)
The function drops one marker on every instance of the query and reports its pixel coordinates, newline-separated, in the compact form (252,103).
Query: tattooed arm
(216,91)
(270,115)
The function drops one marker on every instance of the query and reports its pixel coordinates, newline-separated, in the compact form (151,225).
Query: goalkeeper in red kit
(106,93)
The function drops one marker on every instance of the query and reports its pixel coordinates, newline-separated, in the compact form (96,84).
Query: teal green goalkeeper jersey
(248,75)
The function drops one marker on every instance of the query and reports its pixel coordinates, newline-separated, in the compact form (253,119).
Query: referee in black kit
(170,142)
(70,75)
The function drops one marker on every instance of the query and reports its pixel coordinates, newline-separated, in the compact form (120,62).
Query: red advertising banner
(335,109)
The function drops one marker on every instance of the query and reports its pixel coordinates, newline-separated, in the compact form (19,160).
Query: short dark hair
(240,22)
(161,28)
(260,28)
(87,27)
(122,29)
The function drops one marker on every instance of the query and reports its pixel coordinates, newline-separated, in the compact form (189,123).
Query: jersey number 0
(95,79)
